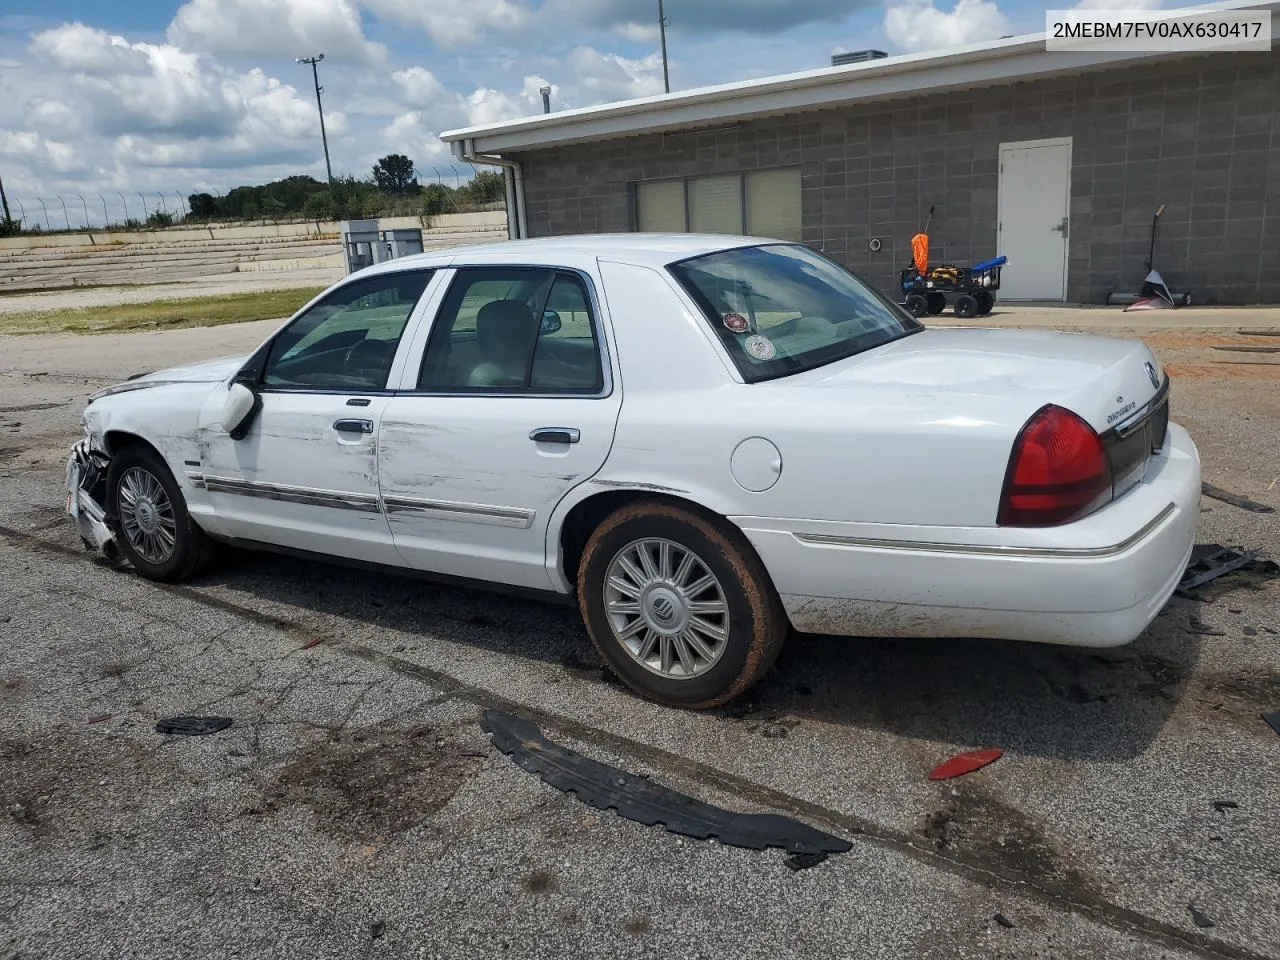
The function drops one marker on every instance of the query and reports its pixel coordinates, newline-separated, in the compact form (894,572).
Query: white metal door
(1035,200)
(470,483)
(305,476)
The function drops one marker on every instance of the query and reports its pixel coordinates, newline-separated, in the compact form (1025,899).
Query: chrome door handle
(353,426)
(556,435)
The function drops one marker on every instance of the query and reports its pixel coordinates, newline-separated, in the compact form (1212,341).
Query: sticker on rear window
(760,348)
(735,322)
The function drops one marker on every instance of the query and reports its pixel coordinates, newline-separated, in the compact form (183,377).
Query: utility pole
(315,75)
(662,31)
(5,201)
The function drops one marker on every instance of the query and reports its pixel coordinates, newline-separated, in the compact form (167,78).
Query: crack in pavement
(1092,905)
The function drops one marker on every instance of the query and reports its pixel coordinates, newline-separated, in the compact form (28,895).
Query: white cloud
(600,77)
(453,23)
(917,25)
(79,47)
(274,28)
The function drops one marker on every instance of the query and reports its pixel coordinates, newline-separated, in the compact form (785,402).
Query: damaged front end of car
(86,496)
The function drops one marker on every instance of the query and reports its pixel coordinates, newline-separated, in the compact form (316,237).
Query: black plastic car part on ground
(635,798)
(1212,561)
(192,726)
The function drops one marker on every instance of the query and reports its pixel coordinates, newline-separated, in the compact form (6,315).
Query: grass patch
(161,314)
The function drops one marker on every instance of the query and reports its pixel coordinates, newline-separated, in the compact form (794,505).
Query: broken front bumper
(86,492)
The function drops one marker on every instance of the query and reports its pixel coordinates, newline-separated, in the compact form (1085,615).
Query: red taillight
(1058,470)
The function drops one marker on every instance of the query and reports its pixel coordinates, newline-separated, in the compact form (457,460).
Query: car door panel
(305,473)
(467,491)
(295,480)
(468,481)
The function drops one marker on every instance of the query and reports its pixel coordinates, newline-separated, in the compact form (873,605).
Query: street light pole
(106,217)
(324,137)
(662,31)
(86,211)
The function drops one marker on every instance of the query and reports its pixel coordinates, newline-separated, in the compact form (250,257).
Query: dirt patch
(1096,678)
(540,881)
(42,778)
(370,784)
(1222,369)
(1238,698)
(985,831)
(638,926)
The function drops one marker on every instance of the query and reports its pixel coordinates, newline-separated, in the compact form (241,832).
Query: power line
(315,75)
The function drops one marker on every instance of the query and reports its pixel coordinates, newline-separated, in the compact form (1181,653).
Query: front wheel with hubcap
(679,607)
(149,518)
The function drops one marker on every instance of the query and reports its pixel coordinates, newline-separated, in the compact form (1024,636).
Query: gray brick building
(1057,160)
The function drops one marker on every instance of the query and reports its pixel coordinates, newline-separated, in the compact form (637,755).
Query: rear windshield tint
(782,309)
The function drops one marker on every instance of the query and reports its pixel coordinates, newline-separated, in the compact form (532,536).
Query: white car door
(513,404)
(305,474)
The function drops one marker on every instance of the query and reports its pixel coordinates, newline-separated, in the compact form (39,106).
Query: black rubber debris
(1004,921)
(1226,496)
(1211,561)
(192,726)
(377,928)
(1200,920)
(804,861)
(1273,720)
(636,798)
(1223,805)
(1196,625)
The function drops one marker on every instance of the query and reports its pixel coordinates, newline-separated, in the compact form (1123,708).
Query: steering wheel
(368,360)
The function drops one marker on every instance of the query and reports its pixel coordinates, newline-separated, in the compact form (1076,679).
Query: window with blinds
(773,203)
(715,204)
(762,203)
(660,206)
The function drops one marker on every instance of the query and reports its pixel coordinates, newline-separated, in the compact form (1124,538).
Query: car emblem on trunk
(1152,375)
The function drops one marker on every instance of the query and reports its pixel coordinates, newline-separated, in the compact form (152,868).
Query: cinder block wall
(1201,135)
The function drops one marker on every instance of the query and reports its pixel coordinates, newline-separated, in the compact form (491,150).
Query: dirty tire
(193,551)
(937,303)
(917,304)
(757,623)
(986,302)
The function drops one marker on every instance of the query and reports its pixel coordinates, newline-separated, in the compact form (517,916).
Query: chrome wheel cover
(146,515)
(666,608)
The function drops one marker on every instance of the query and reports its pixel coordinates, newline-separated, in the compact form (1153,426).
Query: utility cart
(971,289)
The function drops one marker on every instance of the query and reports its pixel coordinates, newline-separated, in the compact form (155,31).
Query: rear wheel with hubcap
(680,608)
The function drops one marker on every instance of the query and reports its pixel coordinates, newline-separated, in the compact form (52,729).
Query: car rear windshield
(781,308)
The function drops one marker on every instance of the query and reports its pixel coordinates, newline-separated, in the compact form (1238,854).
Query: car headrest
(505,328)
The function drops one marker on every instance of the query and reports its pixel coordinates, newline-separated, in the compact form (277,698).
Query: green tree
(159,218)
(394,174)
(437,198)
(204,206)
(488,186)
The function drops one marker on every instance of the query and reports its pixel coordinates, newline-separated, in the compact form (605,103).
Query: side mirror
(238,409)
(550,321)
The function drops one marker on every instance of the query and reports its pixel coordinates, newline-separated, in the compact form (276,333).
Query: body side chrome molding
(993,550)
(464,512)
(363,502)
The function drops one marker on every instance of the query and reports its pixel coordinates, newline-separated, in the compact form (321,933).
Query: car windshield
(781,308)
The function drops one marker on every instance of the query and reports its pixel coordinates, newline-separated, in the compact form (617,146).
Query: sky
(100,98)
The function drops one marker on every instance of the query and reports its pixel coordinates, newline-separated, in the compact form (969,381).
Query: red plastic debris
(313,642)
(99,718)
(963,763)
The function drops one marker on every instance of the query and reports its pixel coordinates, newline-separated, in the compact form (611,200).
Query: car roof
(648,249)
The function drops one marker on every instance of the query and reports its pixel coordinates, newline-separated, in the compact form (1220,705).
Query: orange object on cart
(920,252)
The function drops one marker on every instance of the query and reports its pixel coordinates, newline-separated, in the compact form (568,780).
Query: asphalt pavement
(355,807)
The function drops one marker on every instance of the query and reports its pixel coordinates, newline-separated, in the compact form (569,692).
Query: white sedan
(704,440)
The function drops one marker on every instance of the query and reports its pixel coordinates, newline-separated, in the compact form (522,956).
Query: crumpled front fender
(86,493)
